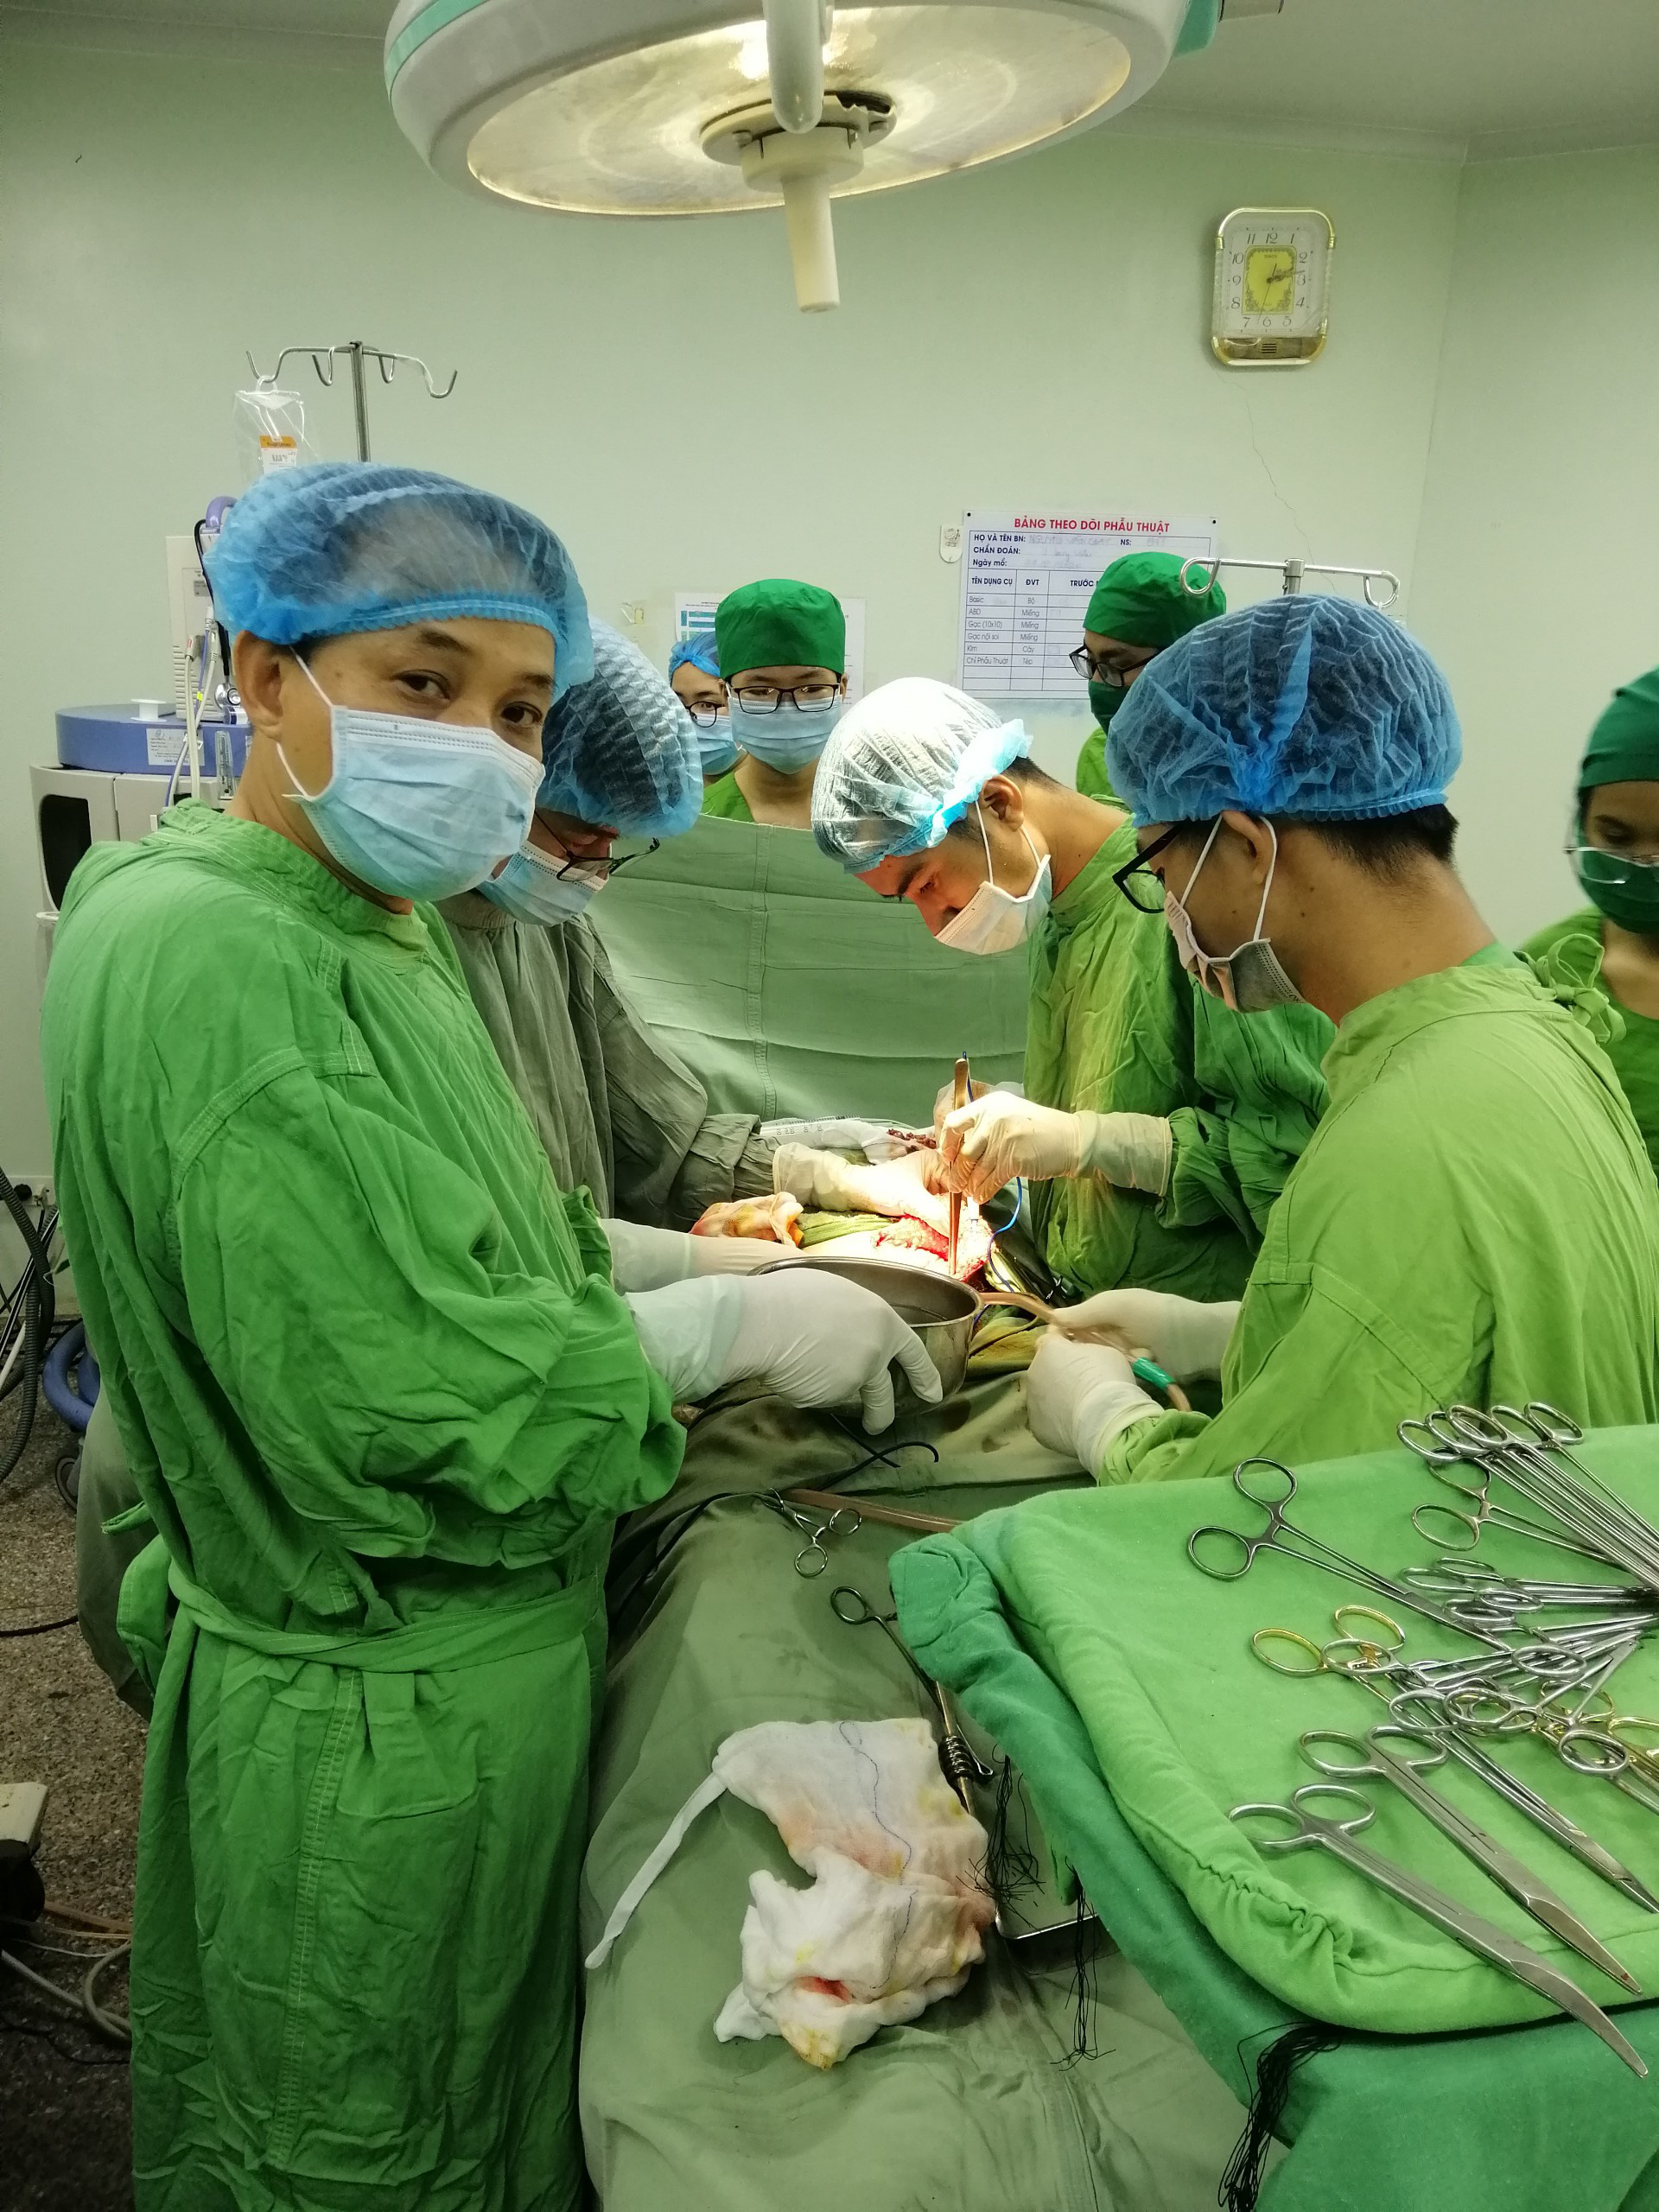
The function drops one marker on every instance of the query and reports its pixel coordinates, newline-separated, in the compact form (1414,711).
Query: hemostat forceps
(1310,1832)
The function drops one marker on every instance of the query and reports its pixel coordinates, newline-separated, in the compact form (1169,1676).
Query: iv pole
(323,360)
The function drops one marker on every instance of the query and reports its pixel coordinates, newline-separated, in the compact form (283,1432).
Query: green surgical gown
(723,798)
(617,1113)
(1634,1055)
(1475,1220)
(382,1403)
(1092,778)
(1116,1026)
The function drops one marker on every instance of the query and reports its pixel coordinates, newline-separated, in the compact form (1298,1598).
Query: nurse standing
(782,658)
(1616,855)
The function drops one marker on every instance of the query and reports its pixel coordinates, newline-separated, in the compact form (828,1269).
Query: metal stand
(1197,574)
(323,359)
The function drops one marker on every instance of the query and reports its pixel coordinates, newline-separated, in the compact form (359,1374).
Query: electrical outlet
(22,1807)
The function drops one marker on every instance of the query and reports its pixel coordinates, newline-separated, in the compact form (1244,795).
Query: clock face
(1272,274)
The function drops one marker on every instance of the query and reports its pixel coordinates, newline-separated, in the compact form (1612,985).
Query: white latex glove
(649,1259)
(1079,1397)
(824,1179)
(812,1336)
(986,1143)
(945,1102)
(1132,1150)
(1184,1336)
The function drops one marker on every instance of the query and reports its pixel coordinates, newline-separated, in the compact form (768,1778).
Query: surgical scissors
(812,1559)
(1317,1553)
(1379,1755)
(1311,1832)
(1412,1699)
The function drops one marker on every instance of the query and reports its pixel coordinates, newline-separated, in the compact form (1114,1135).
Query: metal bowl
(941,1312)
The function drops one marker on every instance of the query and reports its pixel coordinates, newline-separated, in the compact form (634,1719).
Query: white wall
(1034,334)
(1535,580)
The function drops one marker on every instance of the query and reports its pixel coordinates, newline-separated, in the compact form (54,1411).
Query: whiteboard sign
(694,617)
(1026,583)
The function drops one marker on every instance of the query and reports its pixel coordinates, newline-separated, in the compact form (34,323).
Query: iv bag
(269,431)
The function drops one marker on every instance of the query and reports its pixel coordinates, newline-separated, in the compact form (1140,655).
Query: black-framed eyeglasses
(1093,670)
(705,717)
(1135,879)
(602,871)
(810,698)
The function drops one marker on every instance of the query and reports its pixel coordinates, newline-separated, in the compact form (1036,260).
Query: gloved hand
(649,1259)
(837,1185)
(945,1102)
(1079,1397)
(812,1336)
(987,1144)
(1184,1336)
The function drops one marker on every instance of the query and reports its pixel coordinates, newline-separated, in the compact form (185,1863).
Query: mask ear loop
(299,791)
(1036,857)
(1266,888)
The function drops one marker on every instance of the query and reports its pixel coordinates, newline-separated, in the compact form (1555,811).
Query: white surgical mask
(1250,978)
(537,888)
(996,920)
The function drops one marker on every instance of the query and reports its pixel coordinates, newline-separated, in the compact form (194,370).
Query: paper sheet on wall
(1026,583)
(694,616)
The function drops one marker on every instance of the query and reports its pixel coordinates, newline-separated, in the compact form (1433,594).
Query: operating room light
(671,107)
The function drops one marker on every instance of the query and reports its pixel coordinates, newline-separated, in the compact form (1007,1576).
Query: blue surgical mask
(537,888)
(717,745)
(419,809)
(788,737)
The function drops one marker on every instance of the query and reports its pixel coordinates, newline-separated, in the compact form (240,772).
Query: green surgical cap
(777,623)
(1624,745)
(1139,602)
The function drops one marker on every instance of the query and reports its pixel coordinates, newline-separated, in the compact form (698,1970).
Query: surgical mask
(535,886)
(1627,890)
(716,745)
(994,920)
(419,809)
(789,737)
(1105,699)
(1250,979)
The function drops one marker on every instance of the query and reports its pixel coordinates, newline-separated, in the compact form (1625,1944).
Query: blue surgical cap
(621,750)
(699,652)
(1316,708)
(902,765)
(349,545)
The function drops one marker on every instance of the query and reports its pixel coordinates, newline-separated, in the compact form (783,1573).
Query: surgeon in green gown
(1139,607)
(1159,1126)
(617,1113)
(1616,858)
(1475,1218)
(782,648)
(383,1387)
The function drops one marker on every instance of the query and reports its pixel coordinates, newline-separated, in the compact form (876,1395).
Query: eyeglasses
(1600,867)
(767,698)
(1114,674)
(705,717)
(602,871)
(1135,879)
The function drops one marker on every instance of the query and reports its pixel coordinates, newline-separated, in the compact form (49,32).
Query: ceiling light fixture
(684,107)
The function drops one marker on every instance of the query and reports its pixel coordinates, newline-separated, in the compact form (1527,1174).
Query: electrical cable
(40,1628)
(32,1310)
(113,2026)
